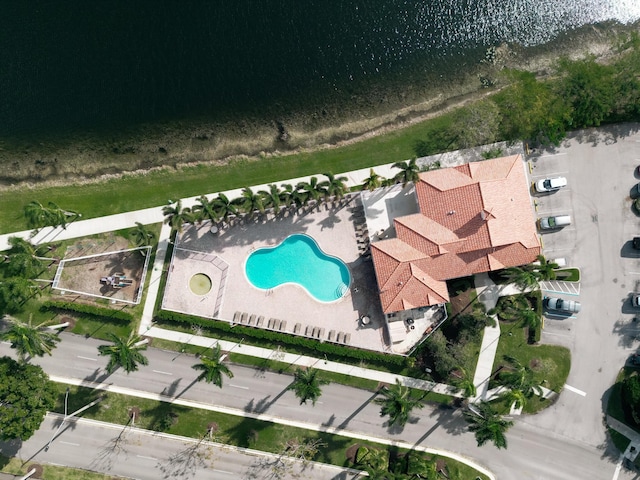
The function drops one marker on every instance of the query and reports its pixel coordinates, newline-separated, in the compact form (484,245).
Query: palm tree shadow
(262,405)
(346,421)
(98,376)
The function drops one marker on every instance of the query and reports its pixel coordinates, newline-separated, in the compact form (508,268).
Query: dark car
(634,359)
(636,243)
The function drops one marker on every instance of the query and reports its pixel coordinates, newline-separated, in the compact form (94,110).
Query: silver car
(559,221)
(562,305)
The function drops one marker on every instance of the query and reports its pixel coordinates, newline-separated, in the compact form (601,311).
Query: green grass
(232,430)
(568,274)
(50,472)
(550,363)
(155,188)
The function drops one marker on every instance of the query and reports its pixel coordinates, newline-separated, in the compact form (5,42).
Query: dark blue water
(81,65)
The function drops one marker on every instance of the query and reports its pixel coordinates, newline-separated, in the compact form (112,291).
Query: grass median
(229,429)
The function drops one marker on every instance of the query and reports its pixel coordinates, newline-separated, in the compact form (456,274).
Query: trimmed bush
(213,326)
(93,310)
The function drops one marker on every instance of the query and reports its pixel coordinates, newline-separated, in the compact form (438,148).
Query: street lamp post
(66,417)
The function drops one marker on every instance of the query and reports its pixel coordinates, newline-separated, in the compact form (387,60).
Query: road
(533,452)
(133,453)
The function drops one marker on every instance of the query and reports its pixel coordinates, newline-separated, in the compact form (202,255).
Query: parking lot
(600,169)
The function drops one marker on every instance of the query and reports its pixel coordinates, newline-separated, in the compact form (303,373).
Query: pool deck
(333,225)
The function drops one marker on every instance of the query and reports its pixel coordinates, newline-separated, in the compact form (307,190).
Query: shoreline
(82,158)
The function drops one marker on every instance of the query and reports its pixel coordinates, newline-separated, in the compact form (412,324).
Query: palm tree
(519,377)
(30,340)
(37,215)
(334,186)
(312,189)
(124,353)
(530,318)
(14,293)
(141,236)
(272,198)
(23,259)
(250,202)
(306,385)
(523,277)
(397,404)
(176,216)
(224,206)
(409,172)
(205,210)
(373,181)
(213,368)
(420,467)
(515,398)
(546,270)
(487,425)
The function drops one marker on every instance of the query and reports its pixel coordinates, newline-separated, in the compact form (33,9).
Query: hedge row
(165,317)
(88,309)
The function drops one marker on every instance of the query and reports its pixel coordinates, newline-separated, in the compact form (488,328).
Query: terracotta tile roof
(473,218)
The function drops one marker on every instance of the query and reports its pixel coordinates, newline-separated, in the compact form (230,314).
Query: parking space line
(555,154)
(575,390)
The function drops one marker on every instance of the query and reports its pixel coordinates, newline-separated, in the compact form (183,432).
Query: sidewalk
(303,361)
(488,294)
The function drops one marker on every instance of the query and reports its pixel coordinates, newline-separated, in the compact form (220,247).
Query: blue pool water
(299,259)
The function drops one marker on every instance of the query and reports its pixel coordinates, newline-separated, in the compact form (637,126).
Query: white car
(550,184)
(554,303)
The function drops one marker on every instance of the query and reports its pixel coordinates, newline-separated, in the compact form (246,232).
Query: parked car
(635,300)
(636,243)
(548,223)
(560,304)
(550,184)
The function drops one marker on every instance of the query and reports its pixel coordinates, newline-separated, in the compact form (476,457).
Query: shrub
(93,310)
(631,397)
(214,326)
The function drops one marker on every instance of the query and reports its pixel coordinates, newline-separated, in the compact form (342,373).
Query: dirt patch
(84,272)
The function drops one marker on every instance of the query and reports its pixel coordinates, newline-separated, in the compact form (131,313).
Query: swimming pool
(299,260)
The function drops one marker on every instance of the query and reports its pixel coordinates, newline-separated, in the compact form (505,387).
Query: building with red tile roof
(473,218)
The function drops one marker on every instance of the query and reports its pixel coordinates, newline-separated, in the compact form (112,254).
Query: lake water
(78,65)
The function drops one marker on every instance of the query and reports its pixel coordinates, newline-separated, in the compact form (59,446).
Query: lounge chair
(321,333)
(252,320)
(308,330)
(347,338)
(260,321)
(332,334)
(270,322)
(283,325)
(296,328)
(339,337)
(243,318)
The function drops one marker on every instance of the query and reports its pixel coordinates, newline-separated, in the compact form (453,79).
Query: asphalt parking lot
(600,168)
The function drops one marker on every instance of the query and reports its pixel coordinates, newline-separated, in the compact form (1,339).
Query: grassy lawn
(155,188)
(50,472)
(550,363)
(568,274)
(232,430)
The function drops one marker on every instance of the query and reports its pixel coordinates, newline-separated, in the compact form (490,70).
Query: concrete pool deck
(333,226)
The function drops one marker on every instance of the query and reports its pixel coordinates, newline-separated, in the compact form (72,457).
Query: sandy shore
(89,156)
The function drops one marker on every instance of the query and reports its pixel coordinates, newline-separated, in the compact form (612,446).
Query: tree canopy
(26,394)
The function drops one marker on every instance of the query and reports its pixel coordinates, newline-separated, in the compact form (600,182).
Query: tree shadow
(185,463)
(244,433)
(98,376)
(608,135)
(346,421)
(262,405)
(111,450)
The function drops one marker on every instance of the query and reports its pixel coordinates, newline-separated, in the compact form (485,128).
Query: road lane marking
(163,373)
(147,458)
(69,443)
(87,358)
(575,390)
(238,386)
(558,334)
(222,471)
